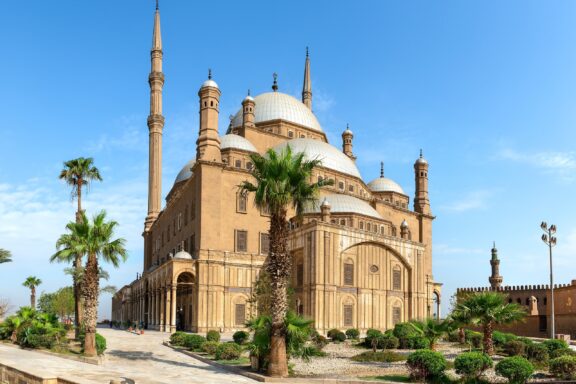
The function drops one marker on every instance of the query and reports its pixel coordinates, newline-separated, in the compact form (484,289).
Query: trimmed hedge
(193,341)
(352,333)
(472,364)
(213,335)
(501,338)
(474,338)
(405,331)
(210,347)
(371,334)
(338,336)
(426,364)
(554,344)
(516,369)
(417,342)
(332,332)
(177,338)
(537,352)
(564,367)
(228,351)
(240,337)
(562,352)
(515,348)
(100,344)
(383,357)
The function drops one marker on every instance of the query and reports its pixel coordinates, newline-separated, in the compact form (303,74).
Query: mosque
(362,257)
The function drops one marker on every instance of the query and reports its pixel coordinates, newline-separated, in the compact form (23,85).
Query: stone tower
(248,106)
(307,87)
(347,137)
(421,201)
(208,143)
(155,126)
(495,279)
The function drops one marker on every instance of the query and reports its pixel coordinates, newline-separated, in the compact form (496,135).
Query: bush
(454,336)
(525,340)
(228,351)
(554,344)
(474,338)
(501,338)
(417,342)
(472,364)
(332,332)
(537,352)
(564,367)
(320,342)
(193,341)
(177,338)
(403,331)
(240,337)
(516,369)
(383,357)
(213,335)
(426,364)
(338,336)
(370,335)
(210,347)
(388,342)
(562,352)
(515,348)
(100,344)
(353,333)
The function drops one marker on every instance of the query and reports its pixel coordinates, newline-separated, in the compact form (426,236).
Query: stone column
(167,309)
(173,318)
(161,310)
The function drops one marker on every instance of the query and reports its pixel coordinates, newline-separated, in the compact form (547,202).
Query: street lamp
(550,241)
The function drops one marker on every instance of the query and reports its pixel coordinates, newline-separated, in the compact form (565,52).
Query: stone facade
(362,258)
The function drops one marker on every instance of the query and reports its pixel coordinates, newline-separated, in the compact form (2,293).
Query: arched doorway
(436,298)
(184,302)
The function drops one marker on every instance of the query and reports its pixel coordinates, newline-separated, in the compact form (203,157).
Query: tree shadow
(149,356)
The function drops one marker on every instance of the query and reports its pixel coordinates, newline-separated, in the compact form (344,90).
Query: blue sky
(487,89)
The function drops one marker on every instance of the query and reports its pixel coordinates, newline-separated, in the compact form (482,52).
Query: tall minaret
(421,201)
(155,126)
(495,279)
(307,88)
(208,143)
(347,137)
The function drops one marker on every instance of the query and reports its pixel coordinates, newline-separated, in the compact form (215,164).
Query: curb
(81,359)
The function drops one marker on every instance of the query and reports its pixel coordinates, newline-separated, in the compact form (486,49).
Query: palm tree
(5,256)
(78,173)
(489,309)
(431,329)
(95,240)
(32,282)
(459,318)
(282,181)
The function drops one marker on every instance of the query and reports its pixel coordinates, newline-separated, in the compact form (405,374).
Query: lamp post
(550,241)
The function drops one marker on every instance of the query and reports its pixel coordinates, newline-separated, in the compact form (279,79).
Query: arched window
(299,274)
(361,225)
(527,301)
(348,315)
(241,203)
(397,279)
(396,315)
(240,314)
(348,273)
(518,301)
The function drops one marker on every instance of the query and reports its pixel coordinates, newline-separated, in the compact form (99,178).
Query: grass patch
(383,357)
(239,361)
(392,378)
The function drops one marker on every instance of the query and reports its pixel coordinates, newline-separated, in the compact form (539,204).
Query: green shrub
(474,338)
(501,338)
(332,332)
(525,340)
(454,336)
(338,336)
(554,344)
(210,347)
(388,342)
(193,341)
(228,351)
(213,335)
(320,342)
(384,357)
(426,364)
(352,333)
(404,331)
(472,364)
(177,338)
(516,369)
(537,352)
(562,352)
(564,367)
(370,335)
(417,342)
(515,348)
(240,337)
(100,344)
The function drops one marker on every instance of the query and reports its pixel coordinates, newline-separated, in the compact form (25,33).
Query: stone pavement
(139,359)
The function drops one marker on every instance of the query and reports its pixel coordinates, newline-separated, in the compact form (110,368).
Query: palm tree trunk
(33,297)
(78,312)
(488,344)
(461,335)
(278,269)
(90,292)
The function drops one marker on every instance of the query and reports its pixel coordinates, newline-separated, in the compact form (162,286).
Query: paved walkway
(139,359)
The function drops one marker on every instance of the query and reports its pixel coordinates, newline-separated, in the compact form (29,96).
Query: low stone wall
(9,375)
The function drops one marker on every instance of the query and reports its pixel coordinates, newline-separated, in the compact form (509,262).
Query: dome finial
(381,169)
(421,156)
(209,74)
(306,51)
(156,4)
(275,84)
(248,91)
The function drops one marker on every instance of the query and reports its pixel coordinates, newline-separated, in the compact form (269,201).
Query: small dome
(248,98)
(404,224)
(421,159)
(182,255)
(209,83)
(277,105)
(237,142)
(346,204)
(325,203)
(347,131)
(383,184)
(331,157)
(185,172)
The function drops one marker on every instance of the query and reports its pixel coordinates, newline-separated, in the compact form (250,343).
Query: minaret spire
(155,125)
(381,169)
(495,279)
(307,87)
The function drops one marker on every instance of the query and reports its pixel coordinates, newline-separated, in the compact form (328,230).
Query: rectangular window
(341,185)
(361,225)
(396,315)
(186,216)
(348,315)
(264,243)
(240,315)
(168,237)
(397,280)
(180,221)
(350,188)
(348,274)
(300,275)
(241,241)
(290,134)
(241,203)
(342,221)
(238,163)
(193,211)
(249,165)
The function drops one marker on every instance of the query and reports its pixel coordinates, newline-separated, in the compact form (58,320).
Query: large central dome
(276,105)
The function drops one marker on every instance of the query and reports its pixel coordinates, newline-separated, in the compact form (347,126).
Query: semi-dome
(276,105)
(340,203)
(185,172)
(182,255)
(331,157)
(237,142)
(383,184)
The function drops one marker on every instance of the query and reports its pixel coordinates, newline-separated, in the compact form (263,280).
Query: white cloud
(447,249)
(128,135)
(476,200)
(560,163)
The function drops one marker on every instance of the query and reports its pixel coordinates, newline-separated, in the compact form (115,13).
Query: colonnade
(156,308)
